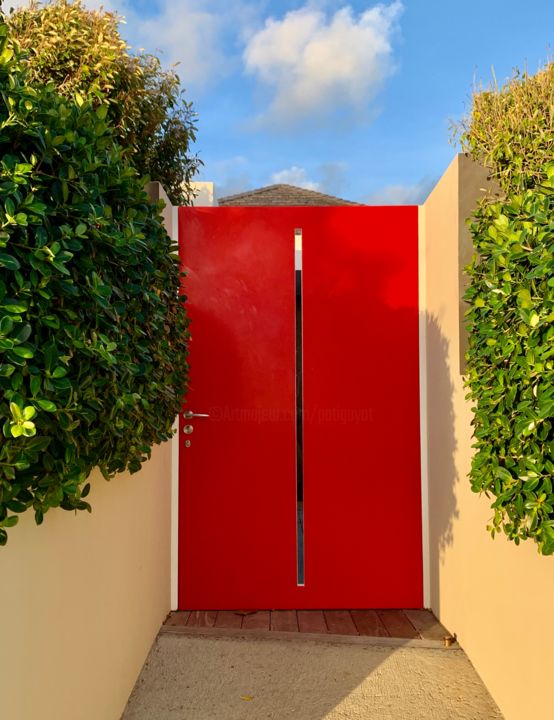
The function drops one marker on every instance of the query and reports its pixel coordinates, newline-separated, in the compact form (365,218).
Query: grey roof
(282,195)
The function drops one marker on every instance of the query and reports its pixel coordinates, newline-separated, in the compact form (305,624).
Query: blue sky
(355,99)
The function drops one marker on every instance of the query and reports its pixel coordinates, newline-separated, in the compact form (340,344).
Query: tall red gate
(301,489)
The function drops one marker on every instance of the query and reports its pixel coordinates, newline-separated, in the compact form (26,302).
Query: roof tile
(282,195)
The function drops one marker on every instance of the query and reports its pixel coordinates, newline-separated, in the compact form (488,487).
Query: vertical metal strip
(300,569)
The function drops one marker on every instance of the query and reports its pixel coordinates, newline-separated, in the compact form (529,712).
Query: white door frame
(424,448)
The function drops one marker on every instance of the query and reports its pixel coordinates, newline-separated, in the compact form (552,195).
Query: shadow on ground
(211,678)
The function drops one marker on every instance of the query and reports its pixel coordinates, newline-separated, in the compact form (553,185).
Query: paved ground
(196,677)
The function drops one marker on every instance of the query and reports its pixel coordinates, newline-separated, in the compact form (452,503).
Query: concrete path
(199,677)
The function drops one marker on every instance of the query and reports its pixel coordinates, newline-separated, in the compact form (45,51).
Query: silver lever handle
(189,414)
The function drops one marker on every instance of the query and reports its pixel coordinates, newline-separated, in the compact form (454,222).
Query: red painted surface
(362,493)
(237,493)
(361,409)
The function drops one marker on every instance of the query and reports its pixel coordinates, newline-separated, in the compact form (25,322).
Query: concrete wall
(497,597)
(204,193)
(82,598)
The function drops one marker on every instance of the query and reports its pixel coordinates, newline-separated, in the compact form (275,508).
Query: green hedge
(93,335)
(81,50)
(511,315)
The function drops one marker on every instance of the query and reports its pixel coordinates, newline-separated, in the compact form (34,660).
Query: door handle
(189,414)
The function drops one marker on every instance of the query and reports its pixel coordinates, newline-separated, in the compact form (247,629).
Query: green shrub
(81,50)
(92,331)
(511,315)
(510,130)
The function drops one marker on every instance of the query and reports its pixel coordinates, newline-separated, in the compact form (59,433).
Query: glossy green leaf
(24,351)
(93,334)
(510,317)
(47,405)
(9,262)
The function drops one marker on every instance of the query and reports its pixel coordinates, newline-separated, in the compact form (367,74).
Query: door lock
(188,429)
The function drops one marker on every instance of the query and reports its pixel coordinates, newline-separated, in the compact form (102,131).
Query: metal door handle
(189,414)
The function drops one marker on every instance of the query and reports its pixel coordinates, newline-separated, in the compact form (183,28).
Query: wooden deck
(409,624)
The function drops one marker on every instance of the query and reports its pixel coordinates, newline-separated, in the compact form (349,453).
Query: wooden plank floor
(412,624)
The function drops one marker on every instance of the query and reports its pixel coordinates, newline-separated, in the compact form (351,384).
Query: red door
(302,487)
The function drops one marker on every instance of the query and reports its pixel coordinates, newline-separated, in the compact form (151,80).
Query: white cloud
(234,184)
(185,33)
(110,5)
(402,194)
(294,176)
(193,34)
(15,4)
(333,177)
(236,174)
(330,177)
(231,175)
(200,36)
(314,63)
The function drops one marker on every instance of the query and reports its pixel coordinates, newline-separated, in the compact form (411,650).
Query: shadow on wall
(442,448)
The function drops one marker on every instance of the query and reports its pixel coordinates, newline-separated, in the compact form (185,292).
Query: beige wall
(497,597)
(82,598)
(204,193)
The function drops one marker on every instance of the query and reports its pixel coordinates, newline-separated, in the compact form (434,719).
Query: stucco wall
(497,597)
(82,598)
